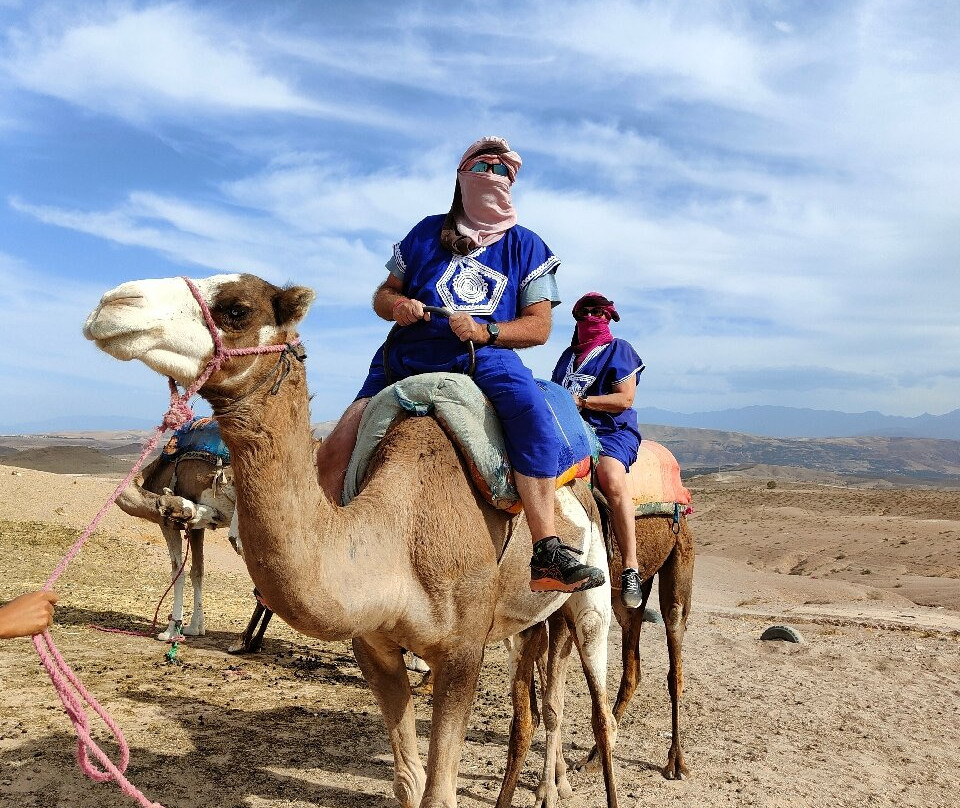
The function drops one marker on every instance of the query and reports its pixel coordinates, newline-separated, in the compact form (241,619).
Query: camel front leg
(196,627)
(381,662)
(676,590)
(525,649)
(175,548)
(455,686)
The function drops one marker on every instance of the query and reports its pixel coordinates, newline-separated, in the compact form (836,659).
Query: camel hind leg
(381,662)
(588,616)
(554,784)
(676,591)
(525,650)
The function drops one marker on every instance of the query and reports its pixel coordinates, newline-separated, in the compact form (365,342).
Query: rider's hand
(466,328)
(407,311)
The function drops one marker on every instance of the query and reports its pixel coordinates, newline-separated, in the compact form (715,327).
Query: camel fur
(416,561)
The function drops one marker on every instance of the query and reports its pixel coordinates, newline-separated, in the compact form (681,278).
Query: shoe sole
(551,585)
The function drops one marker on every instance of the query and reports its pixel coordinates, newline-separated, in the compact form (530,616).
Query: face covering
(488,210)
(591,332)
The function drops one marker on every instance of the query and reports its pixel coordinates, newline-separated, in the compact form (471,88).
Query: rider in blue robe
(601,369)
(493,284)
(496,279)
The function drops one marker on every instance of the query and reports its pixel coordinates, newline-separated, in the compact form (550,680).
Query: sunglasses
(481,167)
(596,311)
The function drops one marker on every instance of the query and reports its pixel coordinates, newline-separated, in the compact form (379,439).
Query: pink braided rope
(69,688)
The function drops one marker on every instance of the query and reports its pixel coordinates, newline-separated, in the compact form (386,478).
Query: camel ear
(290,305)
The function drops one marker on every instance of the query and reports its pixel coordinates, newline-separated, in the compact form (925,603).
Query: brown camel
(183,495)
(188,495)
(665,549)
(416,561)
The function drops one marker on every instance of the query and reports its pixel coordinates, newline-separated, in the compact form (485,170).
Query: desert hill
(67,460)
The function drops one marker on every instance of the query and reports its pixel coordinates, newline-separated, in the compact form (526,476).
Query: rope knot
(178,414)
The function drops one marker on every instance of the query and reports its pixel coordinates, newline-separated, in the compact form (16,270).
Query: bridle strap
(221,353)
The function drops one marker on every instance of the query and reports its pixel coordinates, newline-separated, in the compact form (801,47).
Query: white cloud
(169,60)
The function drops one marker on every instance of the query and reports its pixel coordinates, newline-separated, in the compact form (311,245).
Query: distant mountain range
(851,459)
(792,422)
(764,421)
(79,423)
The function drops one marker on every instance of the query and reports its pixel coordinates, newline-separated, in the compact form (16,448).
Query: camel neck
(298,546)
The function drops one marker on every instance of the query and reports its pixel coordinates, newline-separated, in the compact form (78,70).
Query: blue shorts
(531,438)
(621,444)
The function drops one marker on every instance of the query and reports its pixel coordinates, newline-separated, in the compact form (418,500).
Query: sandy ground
(864,712)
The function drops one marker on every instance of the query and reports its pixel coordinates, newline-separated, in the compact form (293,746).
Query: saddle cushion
(469,420)
(199,436)
(654,480)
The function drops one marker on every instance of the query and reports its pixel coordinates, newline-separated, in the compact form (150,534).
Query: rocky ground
(864,712)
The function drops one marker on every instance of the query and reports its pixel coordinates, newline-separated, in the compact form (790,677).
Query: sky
(769,191)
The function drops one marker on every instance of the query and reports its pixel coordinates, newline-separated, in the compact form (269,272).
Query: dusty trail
(866,712)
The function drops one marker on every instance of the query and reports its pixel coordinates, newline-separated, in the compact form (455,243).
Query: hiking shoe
(630,595)
(554,568)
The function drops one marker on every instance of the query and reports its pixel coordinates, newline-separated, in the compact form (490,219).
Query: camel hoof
(590,764)
(675,770)
(190,631)
(425,688)
(176,509)
(414,663)
(242,646)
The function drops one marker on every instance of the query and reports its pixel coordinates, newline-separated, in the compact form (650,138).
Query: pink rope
(69,688)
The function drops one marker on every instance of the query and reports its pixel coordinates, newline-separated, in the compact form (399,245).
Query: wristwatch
(494,331)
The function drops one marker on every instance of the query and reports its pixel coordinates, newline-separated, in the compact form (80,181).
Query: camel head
(160,323)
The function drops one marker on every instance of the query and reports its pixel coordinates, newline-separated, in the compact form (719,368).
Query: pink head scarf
(488,210)
(592,330)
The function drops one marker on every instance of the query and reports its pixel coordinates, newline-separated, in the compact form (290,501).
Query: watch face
(493,330)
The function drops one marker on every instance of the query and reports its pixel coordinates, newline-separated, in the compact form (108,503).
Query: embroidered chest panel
(468,285)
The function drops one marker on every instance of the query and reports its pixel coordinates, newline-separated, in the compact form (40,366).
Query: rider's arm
(616,402)
(531,328)
(386,295)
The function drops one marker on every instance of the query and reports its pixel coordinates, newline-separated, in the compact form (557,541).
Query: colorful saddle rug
(199,437)
(467,417)
(654,482)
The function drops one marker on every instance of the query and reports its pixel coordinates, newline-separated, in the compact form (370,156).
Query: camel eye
(235,314)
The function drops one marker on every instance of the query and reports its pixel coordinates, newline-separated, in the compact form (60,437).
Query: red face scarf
(591,332)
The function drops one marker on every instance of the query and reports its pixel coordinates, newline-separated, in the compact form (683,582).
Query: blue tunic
(488,284)
(601,369)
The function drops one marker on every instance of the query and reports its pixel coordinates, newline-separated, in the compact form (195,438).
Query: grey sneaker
(555,568)
(630,595)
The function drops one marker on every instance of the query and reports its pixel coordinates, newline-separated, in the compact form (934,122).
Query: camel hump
(470,422)
(198,438)
(654,480)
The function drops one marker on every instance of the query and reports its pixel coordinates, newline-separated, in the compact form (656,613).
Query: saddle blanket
(467,417)
(199,436)
(654,481)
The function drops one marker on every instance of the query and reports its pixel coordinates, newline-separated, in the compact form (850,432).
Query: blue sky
(770,191)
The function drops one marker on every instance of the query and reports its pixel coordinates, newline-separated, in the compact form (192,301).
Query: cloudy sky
(770,191)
